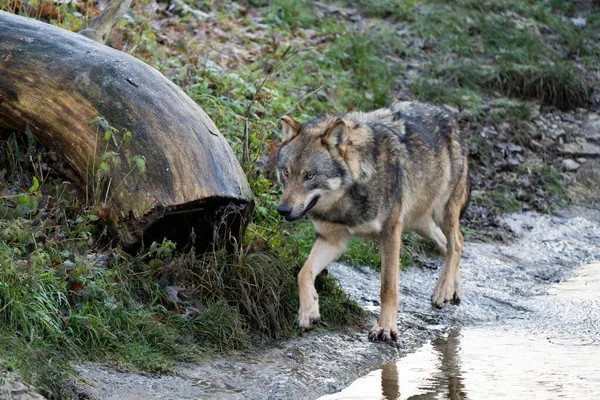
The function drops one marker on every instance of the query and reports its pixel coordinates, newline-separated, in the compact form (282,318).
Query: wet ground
(534,357)
(518,333)
(529,326)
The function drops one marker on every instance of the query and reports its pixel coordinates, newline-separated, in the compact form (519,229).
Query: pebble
(569,165)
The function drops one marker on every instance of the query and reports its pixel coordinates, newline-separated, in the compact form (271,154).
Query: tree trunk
(55,83)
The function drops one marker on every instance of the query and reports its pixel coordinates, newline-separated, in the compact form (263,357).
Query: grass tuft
(396,10)
(558,84)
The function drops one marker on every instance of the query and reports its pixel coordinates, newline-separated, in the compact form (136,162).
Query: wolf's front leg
(387,326)
(323,252)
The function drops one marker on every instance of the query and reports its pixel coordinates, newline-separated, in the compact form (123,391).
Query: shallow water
(538,357)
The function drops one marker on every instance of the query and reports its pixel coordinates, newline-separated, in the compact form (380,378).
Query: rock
(581,148)
(413,74)
(453,110)
(18,391)
(173,292)
(488,131)
(510,147)
(569,117)
(534,144)
(532,129)
(414,64)
(569,165)
(579,21)
(544,29)
(344,12)
(547,143)
(514,147)
(591,128)
(98,259)
(581,160)
(535,110)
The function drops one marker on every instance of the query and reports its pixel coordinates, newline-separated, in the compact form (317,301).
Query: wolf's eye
(284,171)
(310,176)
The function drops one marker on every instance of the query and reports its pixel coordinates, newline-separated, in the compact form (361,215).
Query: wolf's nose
(284,210)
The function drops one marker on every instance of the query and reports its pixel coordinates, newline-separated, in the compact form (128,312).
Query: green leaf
(93,218)
(140,162)
(35,186)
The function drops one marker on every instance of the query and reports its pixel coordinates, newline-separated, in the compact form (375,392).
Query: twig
(306,96)
(246,152)
(108,18)
(247,113)
(107,190)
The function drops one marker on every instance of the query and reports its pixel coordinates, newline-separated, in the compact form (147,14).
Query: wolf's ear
(289,128)
(336,138)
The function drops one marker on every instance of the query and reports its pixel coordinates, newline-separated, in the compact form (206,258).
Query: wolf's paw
(378,333)
(308,320)
(445,292)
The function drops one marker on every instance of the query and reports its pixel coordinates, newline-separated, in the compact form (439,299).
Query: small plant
(100,190)
(291,13)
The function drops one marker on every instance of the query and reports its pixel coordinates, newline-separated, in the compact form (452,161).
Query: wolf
(375,175)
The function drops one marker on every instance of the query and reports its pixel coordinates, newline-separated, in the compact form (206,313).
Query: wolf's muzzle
(311,204)
(286,210)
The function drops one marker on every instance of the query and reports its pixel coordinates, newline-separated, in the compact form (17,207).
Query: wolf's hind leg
(433,232)
(322,253)
(387,325)
(448,287)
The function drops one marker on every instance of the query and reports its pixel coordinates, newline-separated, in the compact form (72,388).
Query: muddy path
(509,286)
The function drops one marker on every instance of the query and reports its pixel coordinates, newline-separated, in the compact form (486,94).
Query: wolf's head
(311,165)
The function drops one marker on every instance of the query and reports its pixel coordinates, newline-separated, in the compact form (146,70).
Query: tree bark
(55,82)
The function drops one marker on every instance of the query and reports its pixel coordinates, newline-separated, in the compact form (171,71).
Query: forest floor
(520,77)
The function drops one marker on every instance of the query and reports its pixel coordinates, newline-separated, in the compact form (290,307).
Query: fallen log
(139,145)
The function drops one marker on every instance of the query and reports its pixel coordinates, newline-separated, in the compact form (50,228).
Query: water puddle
(538,357)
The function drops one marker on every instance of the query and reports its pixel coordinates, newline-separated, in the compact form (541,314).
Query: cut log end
(208,225)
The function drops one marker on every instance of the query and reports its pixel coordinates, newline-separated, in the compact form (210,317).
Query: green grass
(506,54)
(396,10)
(357,56)
(291,13)
(65,296)
(501,201)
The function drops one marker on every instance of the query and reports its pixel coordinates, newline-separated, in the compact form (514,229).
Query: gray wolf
(376,174)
